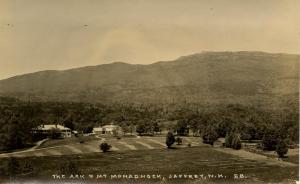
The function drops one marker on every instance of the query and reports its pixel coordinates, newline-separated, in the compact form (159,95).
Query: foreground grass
(292,158)
(197,160)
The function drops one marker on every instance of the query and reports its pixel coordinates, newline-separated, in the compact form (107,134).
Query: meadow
(146,156)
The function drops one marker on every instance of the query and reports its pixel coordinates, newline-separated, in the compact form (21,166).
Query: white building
(45,129)
(108,130)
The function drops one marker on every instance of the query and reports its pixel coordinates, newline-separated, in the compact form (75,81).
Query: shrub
(170,139)
(105,147)
(140,129)
(178,140)
(281,148)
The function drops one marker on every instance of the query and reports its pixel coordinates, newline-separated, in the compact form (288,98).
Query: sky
(40,35)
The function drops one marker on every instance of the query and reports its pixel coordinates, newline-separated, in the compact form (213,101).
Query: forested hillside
(17,118)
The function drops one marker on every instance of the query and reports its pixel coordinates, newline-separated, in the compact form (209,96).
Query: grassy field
(142,156)
(181,160)
(292,155)
(72,140)
(91,145)
(293,159)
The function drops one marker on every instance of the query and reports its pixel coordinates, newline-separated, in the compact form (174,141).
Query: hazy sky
(59,34)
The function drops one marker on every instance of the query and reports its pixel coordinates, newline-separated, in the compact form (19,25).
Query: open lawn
(292,155)
(91,144)
(292,158)
(72,140)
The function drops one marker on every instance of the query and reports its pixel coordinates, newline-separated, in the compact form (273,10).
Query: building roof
(106,127)
(111,126)
(50,126)
(98,129)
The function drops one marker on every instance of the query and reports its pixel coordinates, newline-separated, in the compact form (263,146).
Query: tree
(86,128)
(228,140)
(156,127)
(105,147)
(14,133)
(194,125)
(281,148)
(131,127)
(125,128)
(182,127)
(269,139)
(233,140)
(54,133)
(210,135)
(293,133)
(248,132)
(170,139)
(236,141)
(222,127)
(69,123)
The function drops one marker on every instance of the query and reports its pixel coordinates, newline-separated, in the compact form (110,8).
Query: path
(37,144)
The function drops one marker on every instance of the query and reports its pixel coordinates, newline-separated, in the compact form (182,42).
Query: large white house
(45,129)
(108,130)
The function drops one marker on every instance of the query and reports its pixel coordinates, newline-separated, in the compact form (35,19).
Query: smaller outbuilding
(113,130)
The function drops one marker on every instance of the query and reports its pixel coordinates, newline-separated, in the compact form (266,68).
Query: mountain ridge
(205,77)
(158,62)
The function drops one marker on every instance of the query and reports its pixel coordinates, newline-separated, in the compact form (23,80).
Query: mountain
(207,77)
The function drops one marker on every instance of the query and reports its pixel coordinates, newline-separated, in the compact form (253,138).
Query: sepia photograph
(149,91)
